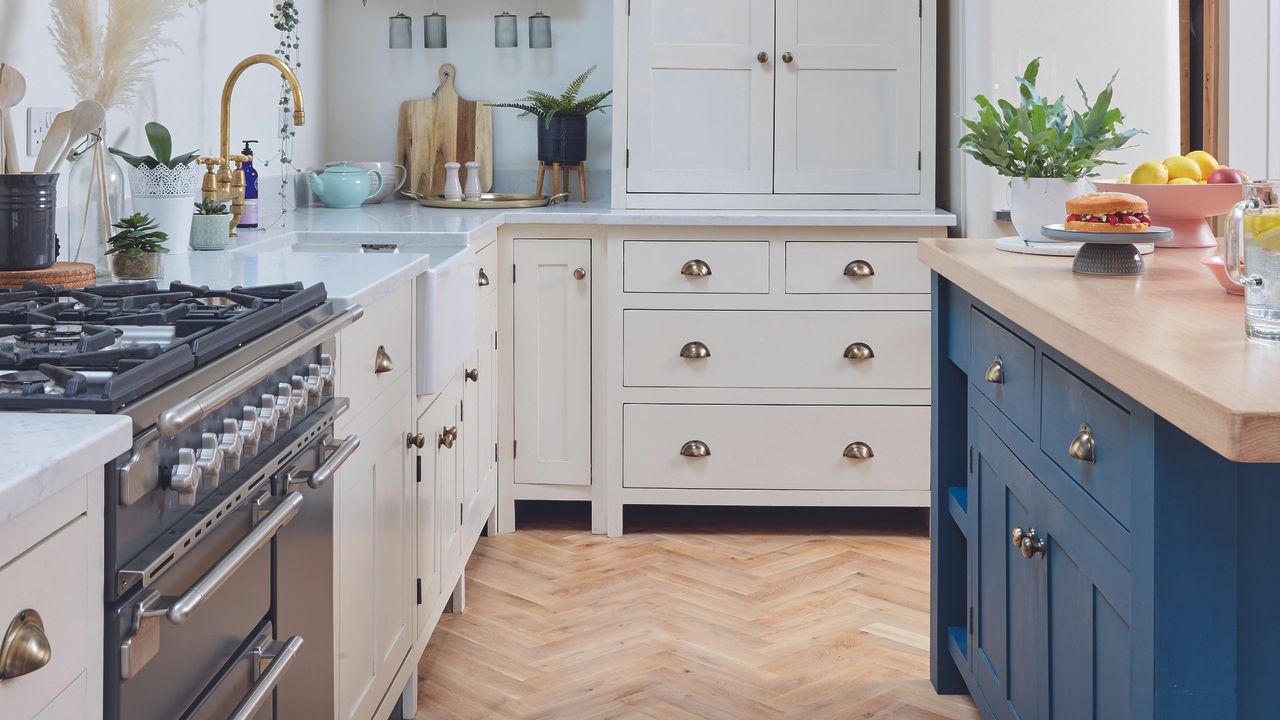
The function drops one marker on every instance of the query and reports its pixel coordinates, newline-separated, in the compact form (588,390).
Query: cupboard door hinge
(418,460)
(495,452)
(628,8)
(970,619)
(920,12)
(495,341)
(461,506)
(462,411)
(419,591)
(628,157)
(970,459)
(919,160)
(513,274)
(513,449)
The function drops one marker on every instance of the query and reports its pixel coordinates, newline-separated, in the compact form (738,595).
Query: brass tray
(487,201)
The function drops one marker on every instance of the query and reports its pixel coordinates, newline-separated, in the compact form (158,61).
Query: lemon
(1258,225)
(1184,181)
(1206,161)
(1269,241)
(1126,178)
(1180,167)
(1151,172)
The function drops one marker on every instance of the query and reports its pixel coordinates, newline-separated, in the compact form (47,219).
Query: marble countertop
(42,453)
(1171,339)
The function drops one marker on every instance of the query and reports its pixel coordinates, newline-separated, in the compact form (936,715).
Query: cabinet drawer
(781,349)
(696,267)
(1087,435)
(50,579)
(386,324)
(1002,366)
(775,447)
(855,267)
(487,269)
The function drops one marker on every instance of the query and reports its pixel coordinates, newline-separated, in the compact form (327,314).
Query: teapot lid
(342,168)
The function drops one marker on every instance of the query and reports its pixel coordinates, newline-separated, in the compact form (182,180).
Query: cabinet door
(552,356)
(1004,494)
(486,422)
(449,480)
(700,115)
(470,439)
(848,102)
(1086,624)
(438,417)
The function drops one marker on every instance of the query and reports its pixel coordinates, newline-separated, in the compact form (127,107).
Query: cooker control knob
(231,443)
(284,405)
(250,431)
(300,394)
(268,419)
(184,478)
(326,371)
(209,460)
(315,384)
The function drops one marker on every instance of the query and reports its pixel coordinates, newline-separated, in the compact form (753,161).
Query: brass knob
(995,372)
(473,375)
(695,351)
(1082,447)
(1031,545)
(484,279)
(859,351)
(416,440)
(859,269)
(1016,537)
(695,449)
(382,361)
(25,647)
(859,451)
(788,57)
(762,57)
(579,274)
(448,437)
(696,268)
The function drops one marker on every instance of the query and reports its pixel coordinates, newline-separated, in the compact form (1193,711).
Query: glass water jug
(1253,257)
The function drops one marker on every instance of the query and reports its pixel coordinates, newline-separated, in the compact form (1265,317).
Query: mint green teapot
(345,187)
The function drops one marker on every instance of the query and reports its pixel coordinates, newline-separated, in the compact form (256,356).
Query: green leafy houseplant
(137,249)
(568,103)
(162,146)
(1041,139)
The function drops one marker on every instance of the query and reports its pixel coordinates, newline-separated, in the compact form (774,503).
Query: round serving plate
(1106,253)
(487,201)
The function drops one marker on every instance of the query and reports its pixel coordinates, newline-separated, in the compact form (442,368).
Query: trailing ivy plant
(286,18)
(547,106)
(1041,139)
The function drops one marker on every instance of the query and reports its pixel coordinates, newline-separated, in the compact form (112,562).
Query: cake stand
(1107,253)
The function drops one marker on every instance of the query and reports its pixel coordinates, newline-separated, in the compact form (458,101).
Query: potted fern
(562,134)
(137,250)
(211,226)
(163,185)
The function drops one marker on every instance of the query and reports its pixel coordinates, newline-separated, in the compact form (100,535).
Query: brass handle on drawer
(382,361)
(695,351)
(1082,447)
(762,57)
(448,437)
(579,273)
(695,449)
(696,268)
(859,451)
(859,351)
(484,279)
(25,648)
(788,58)
(859,269)
(995,372)
(416,440)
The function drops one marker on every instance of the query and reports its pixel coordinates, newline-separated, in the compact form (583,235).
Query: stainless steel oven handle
(281,655)
(315,479)
(195,408)
(190,601)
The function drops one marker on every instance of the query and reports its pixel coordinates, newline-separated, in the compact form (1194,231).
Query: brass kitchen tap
(227,184)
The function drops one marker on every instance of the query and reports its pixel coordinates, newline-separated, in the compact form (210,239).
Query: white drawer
(387,324)
(50,579)
(764,447)
(832,268)
(696,267)
(776,349)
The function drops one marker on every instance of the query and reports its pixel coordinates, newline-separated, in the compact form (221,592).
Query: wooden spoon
(55,142)
(13,87)
(87,116)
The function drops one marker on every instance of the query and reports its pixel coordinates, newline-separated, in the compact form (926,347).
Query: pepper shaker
(452,185)
(473,192)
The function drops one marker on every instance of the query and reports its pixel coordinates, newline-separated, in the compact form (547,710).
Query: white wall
(367,81)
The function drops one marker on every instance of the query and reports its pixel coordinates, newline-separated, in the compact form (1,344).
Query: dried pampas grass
(109,65)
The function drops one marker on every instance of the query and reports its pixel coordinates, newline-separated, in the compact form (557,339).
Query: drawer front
(696,267)
(487,269)
(754,447)
(779,349)
(1003,367)
(855,267)
(50,579)
(1098,456)
(386,324)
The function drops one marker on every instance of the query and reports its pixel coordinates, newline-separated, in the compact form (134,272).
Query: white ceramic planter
(1037,202)
(210,232)
(168,195)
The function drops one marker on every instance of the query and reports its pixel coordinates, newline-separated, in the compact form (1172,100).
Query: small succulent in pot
(562,134)
(137,250)
(211,226)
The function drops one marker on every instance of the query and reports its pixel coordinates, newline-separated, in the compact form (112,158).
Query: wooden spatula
(13,87)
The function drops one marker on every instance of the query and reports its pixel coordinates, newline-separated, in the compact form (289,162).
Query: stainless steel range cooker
(218,547)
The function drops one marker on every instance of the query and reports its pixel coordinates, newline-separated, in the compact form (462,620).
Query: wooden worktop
(1171,339)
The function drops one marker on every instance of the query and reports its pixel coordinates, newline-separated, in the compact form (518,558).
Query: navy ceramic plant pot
(564,141)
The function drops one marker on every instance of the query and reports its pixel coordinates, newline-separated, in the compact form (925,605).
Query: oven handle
(281,654)
(321,475)
(199,406)
(190,601)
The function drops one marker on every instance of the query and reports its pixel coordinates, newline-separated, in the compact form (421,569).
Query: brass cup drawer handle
(484,279)
(695,449)
(1083,447)
(859,451)
(995,371)
(695,351)
(382,363)
(859,351)
(25,648)
(696,268)
(859,269)
(448,437)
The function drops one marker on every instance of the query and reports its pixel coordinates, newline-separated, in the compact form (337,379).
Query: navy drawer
(1003,368)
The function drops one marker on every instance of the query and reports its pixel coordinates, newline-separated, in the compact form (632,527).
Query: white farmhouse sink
(446,301)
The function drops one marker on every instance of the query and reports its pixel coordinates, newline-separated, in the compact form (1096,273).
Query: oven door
(243,689)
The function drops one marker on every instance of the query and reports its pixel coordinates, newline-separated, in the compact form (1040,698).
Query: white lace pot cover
(164,182)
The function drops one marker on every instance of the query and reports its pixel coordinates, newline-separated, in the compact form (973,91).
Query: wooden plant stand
(560,177)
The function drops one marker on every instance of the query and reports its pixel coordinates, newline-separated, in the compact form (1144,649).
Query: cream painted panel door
(552,354)
(848,97)
(700,118)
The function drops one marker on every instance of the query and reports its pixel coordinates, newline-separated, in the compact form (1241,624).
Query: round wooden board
(73,275)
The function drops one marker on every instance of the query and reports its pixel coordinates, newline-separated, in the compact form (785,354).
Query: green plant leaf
(161,142)
(134,160)
(182,160)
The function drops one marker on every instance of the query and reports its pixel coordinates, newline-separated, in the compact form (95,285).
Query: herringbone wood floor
(696,613)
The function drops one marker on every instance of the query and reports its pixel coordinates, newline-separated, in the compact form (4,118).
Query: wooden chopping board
(73,275)
(444,128)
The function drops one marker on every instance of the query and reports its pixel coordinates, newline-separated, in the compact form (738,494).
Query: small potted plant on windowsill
(163,185)
(562,134)
(211,226)
(137,250)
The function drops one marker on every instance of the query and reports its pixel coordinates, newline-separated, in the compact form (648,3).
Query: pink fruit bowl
(1183,208)
(1219,270)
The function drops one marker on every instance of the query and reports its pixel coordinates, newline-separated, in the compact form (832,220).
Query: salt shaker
(473,192)
(452,184)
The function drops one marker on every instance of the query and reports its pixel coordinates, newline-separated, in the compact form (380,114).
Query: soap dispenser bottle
(250,217)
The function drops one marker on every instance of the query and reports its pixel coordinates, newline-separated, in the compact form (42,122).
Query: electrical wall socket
(39,120)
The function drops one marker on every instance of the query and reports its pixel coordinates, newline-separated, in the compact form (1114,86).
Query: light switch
(39,120)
